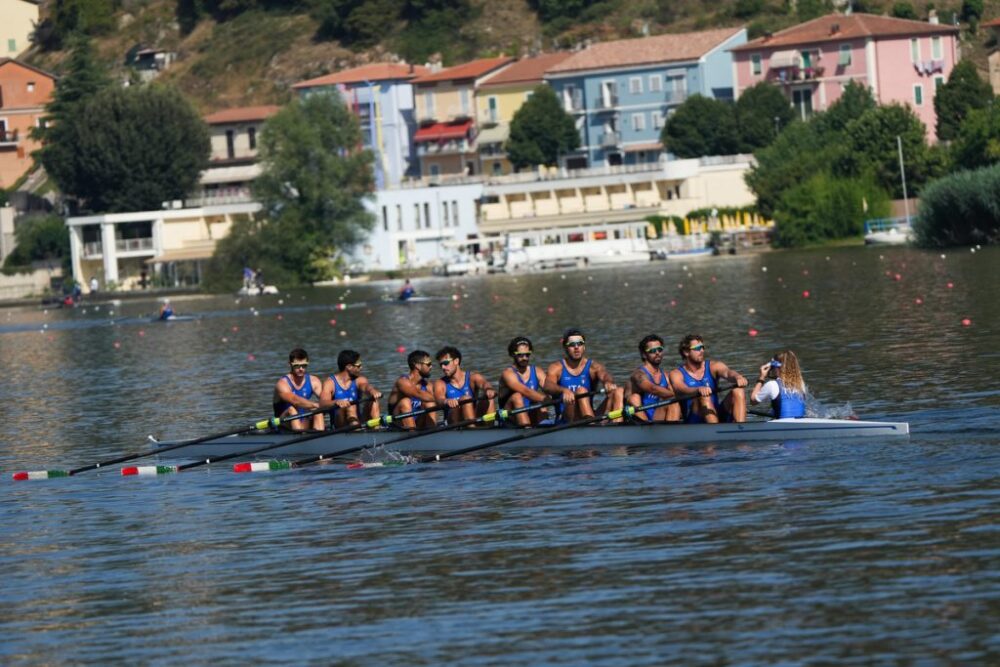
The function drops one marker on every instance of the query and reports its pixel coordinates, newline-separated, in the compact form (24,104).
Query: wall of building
(24,92)
(17,22)
(898,75)
(716,69)
(442,101)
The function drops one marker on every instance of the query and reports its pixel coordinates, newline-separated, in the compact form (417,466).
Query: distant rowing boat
(600,437)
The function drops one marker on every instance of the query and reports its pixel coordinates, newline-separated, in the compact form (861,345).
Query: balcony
(442,147)
(789,75)
(610,139)
(141,244)
(93,249)
(675,96)
(8,138)
(606,103)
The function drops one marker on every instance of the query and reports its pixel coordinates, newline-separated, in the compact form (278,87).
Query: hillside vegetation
(248,52)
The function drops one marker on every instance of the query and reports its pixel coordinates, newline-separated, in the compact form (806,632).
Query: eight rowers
(293,393)
(344,388)
(781,382)
(650,383)
(697,382)
(521,383)
(414,391)
(576,374)
(456,384)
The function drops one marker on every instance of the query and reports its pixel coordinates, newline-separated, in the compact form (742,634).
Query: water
(796,552)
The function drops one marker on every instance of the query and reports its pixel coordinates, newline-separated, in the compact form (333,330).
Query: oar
(166,469)
(272,422)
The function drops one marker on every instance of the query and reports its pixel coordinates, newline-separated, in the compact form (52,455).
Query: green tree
(761,111)
(806,10)
(972,11)
(313,189)
(84,78)
(851,105)
(800,149)
(964,91)
(825,207)
(870,149)
(701,126)
(540,131)
(39,238)
(961,209)
(128,149)
(978,141)
(904,10)
(91,17)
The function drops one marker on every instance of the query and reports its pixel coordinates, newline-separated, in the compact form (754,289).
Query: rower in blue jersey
(576,374)
(166,310)
(413,391)
(294,393)
(697,382)
(406,292)
(781,382)
(457,384)
(521,384)
(650,384)
(345,389)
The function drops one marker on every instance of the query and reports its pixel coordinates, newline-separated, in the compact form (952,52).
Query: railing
(606,102)
(887,224)
(8,137)
(489,117)
(609,139)
(431,147)
(220,197)
(675,96)
(793,74)
(93,248)
(129,245)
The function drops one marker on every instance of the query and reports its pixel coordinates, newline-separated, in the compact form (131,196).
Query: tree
(128,149)
(313,189)
(761,111)
(83,79)
(854,101)
(701,126)
(540,131)
(904,10)
(39,238)
(827,207)
(978,140)
(964,91)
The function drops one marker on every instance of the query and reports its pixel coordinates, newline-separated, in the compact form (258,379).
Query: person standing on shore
(697,382)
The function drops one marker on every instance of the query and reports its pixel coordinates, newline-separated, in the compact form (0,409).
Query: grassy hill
(255,57)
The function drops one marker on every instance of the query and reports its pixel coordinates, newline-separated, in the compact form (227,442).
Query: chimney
(834,29)
(932,17)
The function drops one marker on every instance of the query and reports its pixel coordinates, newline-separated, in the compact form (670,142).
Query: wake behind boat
(602,437)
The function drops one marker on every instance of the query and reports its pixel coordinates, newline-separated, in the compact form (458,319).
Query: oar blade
(148,471)
(262,466)
(25,475)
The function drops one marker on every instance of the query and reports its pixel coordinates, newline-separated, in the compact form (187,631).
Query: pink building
(899,60)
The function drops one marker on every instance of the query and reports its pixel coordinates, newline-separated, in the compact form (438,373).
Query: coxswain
(294,393)
(781,382)
(166,310)
(414,391)
(696,381)
(343,391)
(457,384)
(576,374)
(521,383)
(650,384)
(406,292)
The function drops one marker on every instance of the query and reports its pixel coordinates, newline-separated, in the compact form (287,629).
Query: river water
(863,551)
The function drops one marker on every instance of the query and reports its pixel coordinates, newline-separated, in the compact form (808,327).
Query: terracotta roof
(5,61)
(837,28)
(995,23)
(645,50)
(469,70)
(527,70)
(241,114)
(372,72)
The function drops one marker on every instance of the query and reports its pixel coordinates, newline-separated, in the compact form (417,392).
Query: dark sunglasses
(294,366)
(445,362)
(424,363)
(655,350)
(576,343)
(357,365)
(522,355)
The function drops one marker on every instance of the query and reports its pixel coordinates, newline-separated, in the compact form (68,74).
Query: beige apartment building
(17,21)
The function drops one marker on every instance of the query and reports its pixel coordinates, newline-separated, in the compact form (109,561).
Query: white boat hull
(584,437)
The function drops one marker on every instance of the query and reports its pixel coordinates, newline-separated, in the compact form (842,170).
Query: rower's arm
(510,380)
(725,372)
(601,374)
(551,384)
(286,394)
(326,394)
(480,382)
(681,390)
(366,386)
(411,390)
(642,385)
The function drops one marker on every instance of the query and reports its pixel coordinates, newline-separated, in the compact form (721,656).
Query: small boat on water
(888,231)
(584,437)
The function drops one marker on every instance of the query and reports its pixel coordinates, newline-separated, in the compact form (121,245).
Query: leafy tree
(870,149)
(83,79)
(745,9)
(972,11)
(961,209)
(800,149)
(904,10)
(91,17)
(701,126)
(827,207)
(540,131)
(965,90)
(312,190)
(39,238)
(811,9)
(978,141)
(761,111)
(438,26)
(357,23)
(851,105)
(128,149)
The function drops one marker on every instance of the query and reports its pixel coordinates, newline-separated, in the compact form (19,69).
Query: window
(12,45)
(806,58)
(655,83)
(454,213)
(385,218)
(657,119)
(427,214)
(252,138)
(463,96)
(802,102)
(494,114)
(572,98)
(429,104)
(434,169)
(416,216)
(399,217)
(230,144)
(755,66)
(938,82)
(638,122)
(635,85)
(845,55)
(444,213)
(31,86)
(918,94)
(915,50)
(936,48)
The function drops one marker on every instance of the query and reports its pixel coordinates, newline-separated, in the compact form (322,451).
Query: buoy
(467,326)
(966,322)
(545,289)
(280,317)
(333,323)
(401,349)
(897,277)
(752,333)
(225,340)
(805,272)
(713,279)
(550,310)
(950,285)
(117,345)
(673,303)
(751,310)
(141,333)
(235,328)
(918,301)
(343,333)
(250,357)
(764,269)
(805,294)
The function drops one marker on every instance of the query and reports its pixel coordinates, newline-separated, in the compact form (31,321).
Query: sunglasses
(575,343)
(357,365)
(523,355)
(424,363)
(294,366)
(697,348)
(445,362)
(655,350)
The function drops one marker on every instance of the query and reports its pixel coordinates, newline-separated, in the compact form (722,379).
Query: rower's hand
(452,402)
(491,393)
(342,403)
(568,396)
(610,387)
(312,406)
(741,381)
(705,391)
(375,394)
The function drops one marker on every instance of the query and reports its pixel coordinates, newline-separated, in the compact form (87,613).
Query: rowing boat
(601,437)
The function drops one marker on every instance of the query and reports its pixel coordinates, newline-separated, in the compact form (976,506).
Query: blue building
(381,96)
(621,93)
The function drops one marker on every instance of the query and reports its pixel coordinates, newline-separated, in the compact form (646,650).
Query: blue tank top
(306,391)
(166,313)
(572,382)
(648,399)
(690,416)
(450,391)
(788,404)
(415,403)
(348,393)
(532,382)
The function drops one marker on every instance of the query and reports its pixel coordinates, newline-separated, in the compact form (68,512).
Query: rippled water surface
(877,551)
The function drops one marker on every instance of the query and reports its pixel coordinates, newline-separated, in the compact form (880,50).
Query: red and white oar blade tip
(148,470)
(38,474)
(261,466)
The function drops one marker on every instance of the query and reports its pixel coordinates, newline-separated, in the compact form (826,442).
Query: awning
(237,174)
(648,146)
(785,59)
(443,131)
(182,255)
(494,135)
